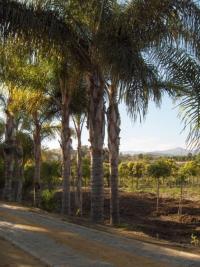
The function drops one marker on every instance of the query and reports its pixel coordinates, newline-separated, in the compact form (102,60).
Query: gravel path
(59,243)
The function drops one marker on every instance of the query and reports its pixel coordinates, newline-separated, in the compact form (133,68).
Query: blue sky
(161,130)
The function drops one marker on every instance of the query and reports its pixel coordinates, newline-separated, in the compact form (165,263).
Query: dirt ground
(137,213)
(11,256)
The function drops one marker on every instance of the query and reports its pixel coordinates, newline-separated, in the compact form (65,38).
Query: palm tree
(24,152)
(61,92)
(24,80)
(138,79)
(34,106)
(13,151)
(136,99)
(16,145)
(113,118)
(66,143)
(78,109)
(78,121)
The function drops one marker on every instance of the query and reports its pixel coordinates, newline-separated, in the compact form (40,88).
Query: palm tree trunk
(158,195)
(66,148)
(79,172)
(78,125)
(9,151)
(180,211)
(20,186)
(113,118)
(19,172)
(37,160)
(96,122)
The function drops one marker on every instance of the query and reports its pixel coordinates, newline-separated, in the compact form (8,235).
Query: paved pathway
(59,243)
(12,256)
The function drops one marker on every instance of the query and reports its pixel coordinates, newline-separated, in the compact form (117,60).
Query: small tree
(86,172)
(158,169)
(191,168)
(131,171)
(180,180)
(139,171)
(123,172)
(188,169)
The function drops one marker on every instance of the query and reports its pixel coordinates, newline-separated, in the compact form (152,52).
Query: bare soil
(137,214)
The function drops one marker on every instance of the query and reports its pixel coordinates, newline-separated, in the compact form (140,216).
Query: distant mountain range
(178,151)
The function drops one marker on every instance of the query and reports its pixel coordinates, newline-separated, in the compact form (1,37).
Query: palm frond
(168,21)
(183,71)
(39,26)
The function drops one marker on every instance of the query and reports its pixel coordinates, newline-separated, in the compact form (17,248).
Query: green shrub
(28,176)
(47,200)
(50,174)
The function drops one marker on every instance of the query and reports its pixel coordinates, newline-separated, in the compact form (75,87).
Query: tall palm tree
(100,10)
(61,92)
(78,110)
(65,143)
(137,99)
(138,79)
(78,121)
